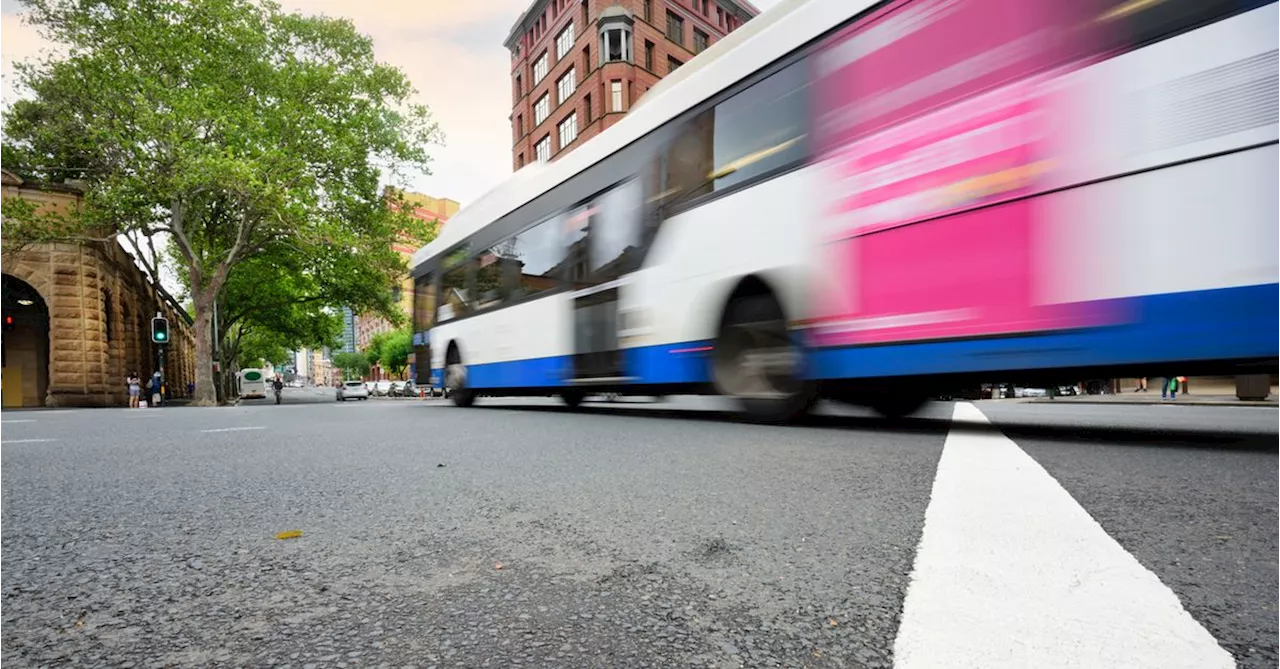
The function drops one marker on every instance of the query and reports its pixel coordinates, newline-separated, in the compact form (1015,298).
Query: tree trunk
(206,394)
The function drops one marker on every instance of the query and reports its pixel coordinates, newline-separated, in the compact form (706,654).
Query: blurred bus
(253,383)
(879,202)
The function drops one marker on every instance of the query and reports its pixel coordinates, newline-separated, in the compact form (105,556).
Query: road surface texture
(521,534)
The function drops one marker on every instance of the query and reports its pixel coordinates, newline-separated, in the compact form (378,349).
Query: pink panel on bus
(934,119)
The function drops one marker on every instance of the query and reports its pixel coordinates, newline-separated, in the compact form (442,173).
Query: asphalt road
(638,534)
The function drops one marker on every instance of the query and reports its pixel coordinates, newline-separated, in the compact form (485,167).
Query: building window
(719,17)
(568,130)
(675,28)
(540,68)
(586,59)
(672,64)
(648,10)
(615,45)
(586,108)
(542,150)
(615,95)
(564,42)
(566,85)
(541,109)
(520,160)
(585,18)
(704,7)
(519,87)
(699,41)
(519,126)
(648,55)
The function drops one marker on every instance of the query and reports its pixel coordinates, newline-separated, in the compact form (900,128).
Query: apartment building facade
(577,66)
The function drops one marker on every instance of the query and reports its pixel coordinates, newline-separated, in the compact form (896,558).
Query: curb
(1261,404)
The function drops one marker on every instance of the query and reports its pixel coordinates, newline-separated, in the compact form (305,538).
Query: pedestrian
(134,382)
(1171,386)
(1142,385)
(191,388)
(156,388)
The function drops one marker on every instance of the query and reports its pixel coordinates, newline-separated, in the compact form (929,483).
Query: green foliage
(255,349)
(391,349)
(242,134)
(353,365)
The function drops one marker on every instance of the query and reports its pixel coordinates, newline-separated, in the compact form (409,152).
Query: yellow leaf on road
(289,534)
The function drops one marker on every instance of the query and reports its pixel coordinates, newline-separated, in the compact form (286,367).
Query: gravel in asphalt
(521,534)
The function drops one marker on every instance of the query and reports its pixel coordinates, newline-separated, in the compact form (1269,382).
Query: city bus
(253,383)
(877,202)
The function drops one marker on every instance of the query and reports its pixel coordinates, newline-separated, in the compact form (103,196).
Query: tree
(352,364)
(229,127)
(391,349)
(396,349)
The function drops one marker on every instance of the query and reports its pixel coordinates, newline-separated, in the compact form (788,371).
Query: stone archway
(25,344)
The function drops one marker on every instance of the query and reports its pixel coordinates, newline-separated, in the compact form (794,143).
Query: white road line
(25,441)
(234,429)
(17,420)
(1012,572)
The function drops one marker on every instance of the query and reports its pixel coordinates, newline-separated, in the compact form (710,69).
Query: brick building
(577,66)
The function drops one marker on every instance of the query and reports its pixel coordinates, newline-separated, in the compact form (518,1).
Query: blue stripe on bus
(1202,325)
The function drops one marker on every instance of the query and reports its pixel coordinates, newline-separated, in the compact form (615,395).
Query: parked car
(409,389)
(396,389)
(352,390)
(382,388)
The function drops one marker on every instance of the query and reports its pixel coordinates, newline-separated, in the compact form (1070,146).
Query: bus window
(762,128)
(538,253)
(455,291)
(489,291)
(424,303)
(689,160)
(1125,24)
(614,236)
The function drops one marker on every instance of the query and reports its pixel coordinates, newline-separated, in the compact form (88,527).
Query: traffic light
(160,330)
(8,323)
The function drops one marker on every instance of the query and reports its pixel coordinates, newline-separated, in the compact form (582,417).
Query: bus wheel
(899,404)
(573,398)
(756,362)
(455,379)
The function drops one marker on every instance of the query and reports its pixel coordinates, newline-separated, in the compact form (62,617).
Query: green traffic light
(159,335)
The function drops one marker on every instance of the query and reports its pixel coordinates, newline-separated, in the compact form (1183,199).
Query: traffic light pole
(161,352)
(160,337)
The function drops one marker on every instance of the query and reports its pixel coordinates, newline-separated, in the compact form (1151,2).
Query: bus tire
(573,398)
(456,379)
(754,326)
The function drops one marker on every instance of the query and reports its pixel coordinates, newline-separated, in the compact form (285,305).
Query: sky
(452,52)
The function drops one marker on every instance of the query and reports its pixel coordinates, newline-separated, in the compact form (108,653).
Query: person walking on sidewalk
(1170,386)
(1142,385)
(135,389)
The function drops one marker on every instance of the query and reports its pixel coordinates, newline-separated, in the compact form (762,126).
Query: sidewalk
(1153,397)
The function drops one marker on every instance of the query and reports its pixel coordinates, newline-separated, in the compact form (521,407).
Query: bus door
(604,240)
